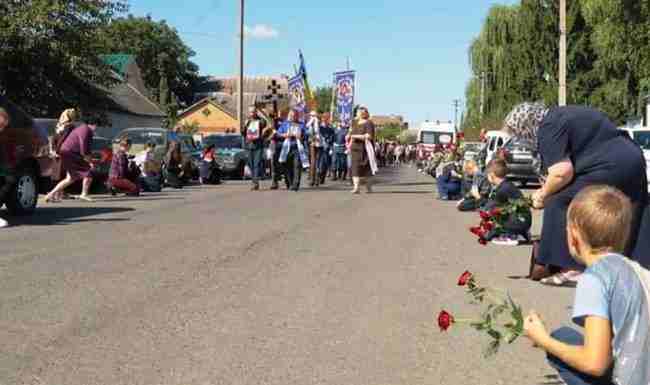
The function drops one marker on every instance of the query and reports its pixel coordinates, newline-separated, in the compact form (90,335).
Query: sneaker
(505,241)
(3,223)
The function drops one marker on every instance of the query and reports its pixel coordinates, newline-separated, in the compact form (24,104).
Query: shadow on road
(141,198)
(46,216)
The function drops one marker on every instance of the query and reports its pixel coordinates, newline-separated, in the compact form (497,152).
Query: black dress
(601,155)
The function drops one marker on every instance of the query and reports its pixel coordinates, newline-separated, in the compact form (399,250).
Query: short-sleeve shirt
(610,289)
(580,134)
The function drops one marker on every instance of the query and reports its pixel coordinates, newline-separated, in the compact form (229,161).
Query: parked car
(230,153)
(641,136)
(160,136)
(472,149)
(29,155)
(522,159)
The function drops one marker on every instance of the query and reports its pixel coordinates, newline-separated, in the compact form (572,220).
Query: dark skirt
(625,170)
(360,161)
(75,165)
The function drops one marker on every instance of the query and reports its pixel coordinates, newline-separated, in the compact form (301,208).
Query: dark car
(522,159)
(230,153)
(160,136)
(27,156)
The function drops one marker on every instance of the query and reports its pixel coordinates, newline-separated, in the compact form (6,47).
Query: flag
(297,93)
(344,87)
(302,71)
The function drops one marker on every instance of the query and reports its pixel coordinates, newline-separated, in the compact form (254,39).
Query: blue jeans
(568,374)
(256,163)
(448,187)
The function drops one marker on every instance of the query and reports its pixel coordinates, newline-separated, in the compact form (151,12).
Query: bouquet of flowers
(493,221)
(501,319)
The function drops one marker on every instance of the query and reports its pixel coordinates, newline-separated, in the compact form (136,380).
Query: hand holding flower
(535,329)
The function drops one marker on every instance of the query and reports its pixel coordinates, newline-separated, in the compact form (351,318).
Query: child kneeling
(504,192)
(611,301)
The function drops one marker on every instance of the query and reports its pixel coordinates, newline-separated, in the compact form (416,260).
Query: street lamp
(240,101)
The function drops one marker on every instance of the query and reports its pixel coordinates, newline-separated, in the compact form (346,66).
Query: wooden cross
(273,95)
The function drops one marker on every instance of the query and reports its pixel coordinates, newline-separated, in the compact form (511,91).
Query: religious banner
(297,93)
(344,87)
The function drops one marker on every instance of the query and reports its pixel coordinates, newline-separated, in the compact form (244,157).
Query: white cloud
(260,32)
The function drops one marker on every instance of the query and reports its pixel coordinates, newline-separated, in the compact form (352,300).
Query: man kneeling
(121,177)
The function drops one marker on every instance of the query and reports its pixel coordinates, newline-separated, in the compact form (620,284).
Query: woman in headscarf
(76,159)
(363,130)
(578,147)
(174,165)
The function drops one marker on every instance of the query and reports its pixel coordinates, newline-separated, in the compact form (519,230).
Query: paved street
(218,285)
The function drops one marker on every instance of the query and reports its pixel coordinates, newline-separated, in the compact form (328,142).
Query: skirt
(627,172)
(75,165)
(360,163)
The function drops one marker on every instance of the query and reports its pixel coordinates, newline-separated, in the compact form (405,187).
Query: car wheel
(23,196)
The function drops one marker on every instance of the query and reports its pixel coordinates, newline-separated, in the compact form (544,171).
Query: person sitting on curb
(479,190)
(611,299)
(150,169)
(121,179)
(449,179)
(504,192)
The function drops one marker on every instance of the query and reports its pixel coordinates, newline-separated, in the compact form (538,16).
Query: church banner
(297,93)
(344,87)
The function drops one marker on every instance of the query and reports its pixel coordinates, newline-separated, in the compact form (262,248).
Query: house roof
(119,62)
(225,102)
(127,98)
(382,120)
(201,103)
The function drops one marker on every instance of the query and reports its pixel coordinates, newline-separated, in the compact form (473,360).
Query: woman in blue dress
(579,147)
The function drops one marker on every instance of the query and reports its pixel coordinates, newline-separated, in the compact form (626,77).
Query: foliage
(190,127)
(49,56)
(323,96)
(517,50)
(148,40)
(407,137)
(389,132)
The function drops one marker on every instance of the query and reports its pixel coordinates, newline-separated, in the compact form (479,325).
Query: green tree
(389,132)
(323,96)
(49,56)
(147,40)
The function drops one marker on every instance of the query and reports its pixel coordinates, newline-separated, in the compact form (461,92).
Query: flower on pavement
(445,320)
(465,278)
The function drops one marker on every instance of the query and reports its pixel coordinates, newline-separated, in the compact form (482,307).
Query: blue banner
(297,93)
(344,86)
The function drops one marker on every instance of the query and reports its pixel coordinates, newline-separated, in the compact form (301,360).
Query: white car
(495,141)
(641,136)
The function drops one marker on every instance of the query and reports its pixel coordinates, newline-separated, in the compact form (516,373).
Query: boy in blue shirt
(611,301)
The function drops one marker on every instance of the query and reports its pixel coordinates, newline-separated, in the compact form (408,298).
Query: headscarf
(67,117)
(4,113)
(524,120)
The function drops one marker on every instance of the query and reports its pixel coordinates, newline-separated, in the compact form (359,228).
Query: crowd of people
(594,235)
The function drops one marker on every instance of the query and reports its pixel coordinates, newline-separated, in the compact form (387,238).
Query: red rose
(477,230)
(465,278)
(495,212)
(484,215)
(445,320)
(488,226)
(482,241)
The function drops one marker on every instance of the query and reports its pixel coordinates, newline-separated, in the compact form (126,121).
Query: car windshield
(642,138)
(230,141)
(143,137)
(435,137)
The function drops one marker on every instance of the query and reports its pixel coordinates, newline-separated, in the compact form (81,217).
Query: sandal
(85,198)
(49,199)
(562,279)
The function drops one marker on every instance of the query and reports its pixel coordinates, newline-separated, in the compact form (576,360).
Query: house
(256,90)
(130,105)
(211,115)
(382,121)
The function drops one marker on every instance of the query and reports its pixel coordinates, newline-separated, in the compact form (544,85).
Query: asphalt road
(220,285)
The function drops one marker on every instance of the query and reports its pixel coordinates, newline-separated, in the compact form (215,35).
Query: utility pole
(240,101)
(482,108)
(562,77)
(456,106)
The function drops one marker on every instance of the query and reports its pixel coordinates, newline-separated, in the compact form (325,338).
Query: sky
(410,55)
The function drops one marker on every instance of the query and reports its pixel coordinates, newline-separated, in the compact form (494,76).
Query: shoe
(505,241)
(3,223)
(274,186)
(113,192)
(255,187)
(85,198)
